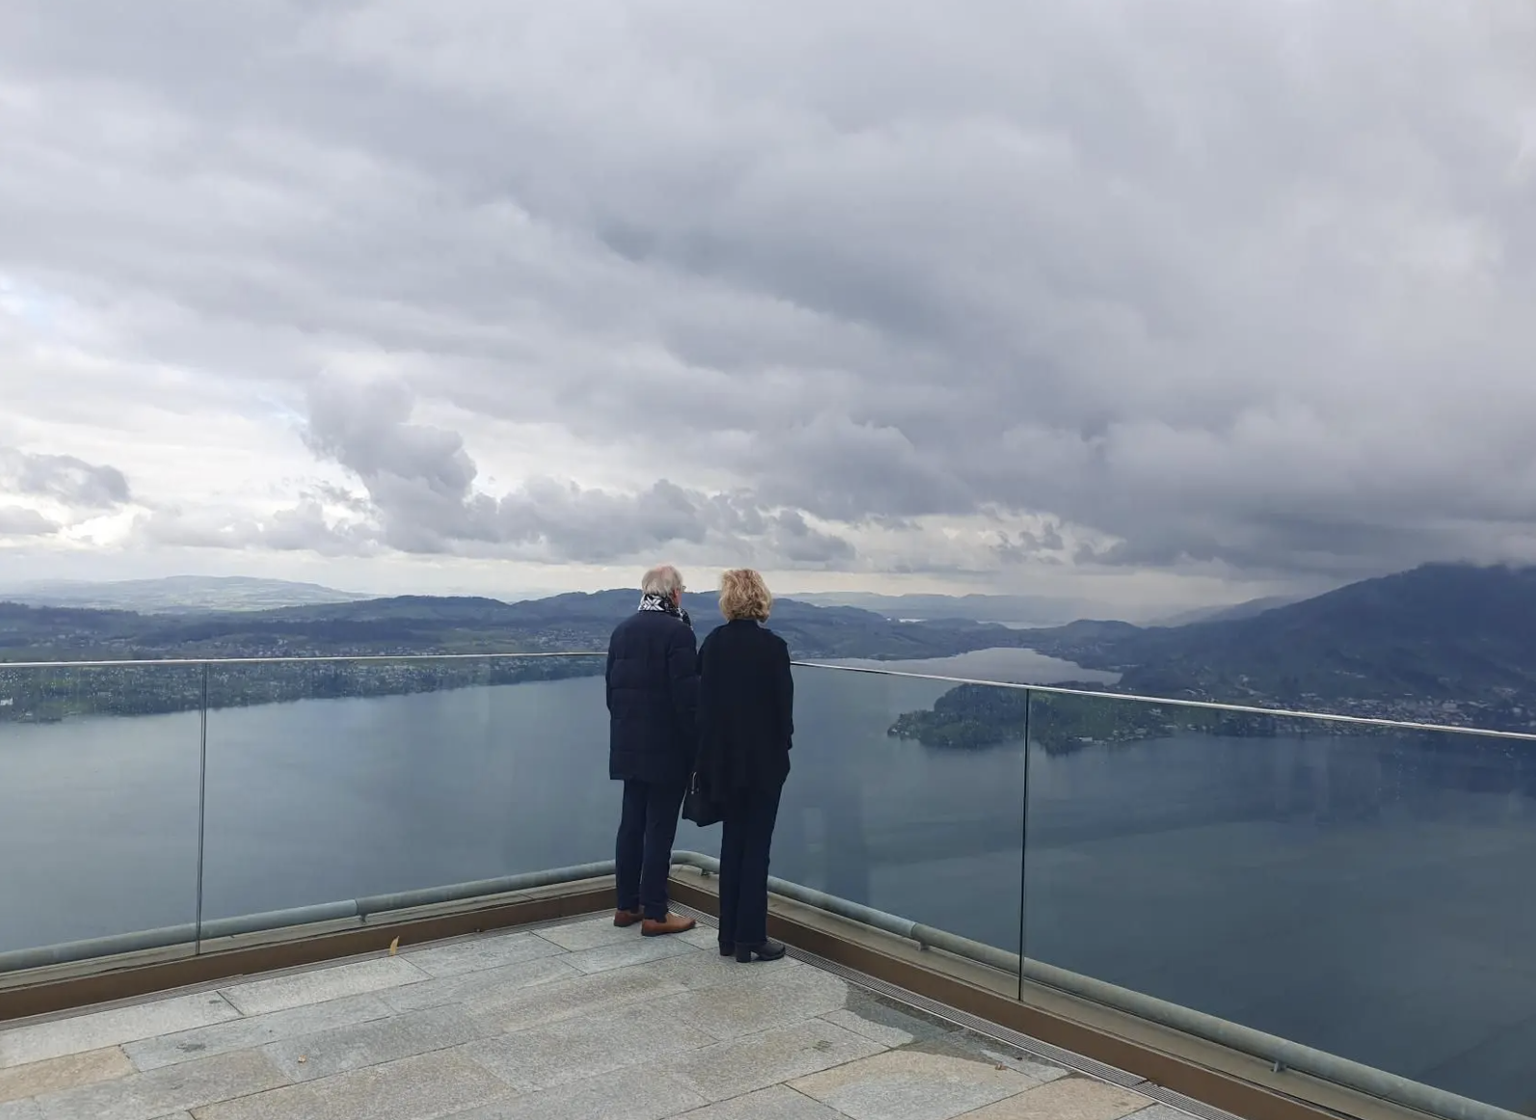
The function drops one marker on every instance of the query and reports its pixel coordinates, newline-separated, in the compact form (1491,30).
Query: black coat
(746,709)
(653,699)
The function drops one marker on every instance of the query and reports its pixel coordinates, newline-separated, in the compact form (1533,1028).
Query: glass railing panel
(98,806)
(892,807)
(337,780)
(1362,890)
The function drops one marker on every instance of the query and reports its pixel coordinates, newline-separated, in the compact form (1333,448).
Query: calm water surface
(1372,897)
(1014,666)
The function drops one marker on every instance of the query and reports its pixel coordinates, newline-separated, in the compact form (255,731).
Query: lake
(1013,666)
(1368,896)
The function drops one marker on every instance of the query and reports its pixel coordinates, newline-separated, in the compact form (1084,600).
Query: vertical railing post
(202,811)
(1029,707)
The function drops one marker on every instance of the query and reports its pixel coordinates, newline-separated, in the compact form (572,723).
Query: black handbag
(698,806)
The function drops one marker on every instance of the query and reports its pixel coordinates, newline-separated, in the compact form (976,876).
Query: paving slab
(1070,1098)
(557,1053)
(338,1050)
(54,1075)
(1036,1069)
(881,1017)
(866,1028)
(744,1065)
(777,1102)
(588,933)
(423,1088)
(631,1094)
(298,989)
(259,1030)
(97,1030)
(708,969)
(603,958)
(178,1088)
(912,1085)
(579,1020)
(478,987)
(731,1010)
(701,937)
(608,993)
(478,954)
(28,1110)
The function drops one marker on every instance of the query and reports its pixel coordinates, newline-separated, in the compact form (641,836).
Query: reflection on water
(1367,895)
(1010,666)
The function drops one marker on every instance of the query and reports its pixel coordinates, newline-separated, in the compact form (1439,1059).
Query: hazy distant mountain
(580,620)
(176,594)
(448,624)
(1443,633)
(1229,613)
(1413,645)
(1009,610)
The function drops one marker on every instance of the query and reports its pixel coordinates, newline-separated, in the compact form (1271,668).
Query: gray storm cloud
(62,478)
(421,489)
(17,521)
(1244,286)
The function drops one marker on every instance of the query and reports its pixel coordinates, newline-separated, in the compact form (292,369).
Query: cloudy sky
(1188,299)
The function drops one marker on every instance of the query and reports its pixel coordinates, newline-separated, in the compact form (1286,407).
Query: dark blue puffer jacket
(653,699)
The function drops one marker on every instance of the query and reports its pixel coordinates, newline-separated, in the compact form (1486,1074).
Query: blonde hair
(743,595)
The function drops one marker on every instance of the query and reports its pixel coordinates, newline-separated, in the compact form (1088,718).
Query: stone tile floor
(575,1020)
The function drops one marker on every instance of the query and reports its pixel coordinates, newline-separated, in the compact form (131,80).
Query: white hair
(664,580)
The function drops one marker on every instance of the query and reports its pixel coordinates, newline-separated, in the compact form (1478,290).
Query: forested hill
(432,624)
(1413,645)
(1439,634)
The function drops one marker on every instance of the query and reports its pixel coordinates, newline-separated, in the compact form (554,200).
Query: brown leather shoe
(626,918)
(673,923)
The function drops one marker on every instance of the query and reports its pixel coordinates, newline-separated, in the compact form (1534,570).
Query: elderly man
(653,701)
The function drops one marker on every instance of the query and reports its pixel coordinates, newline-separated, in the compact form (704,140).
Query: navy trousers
(747,836)
(643,854)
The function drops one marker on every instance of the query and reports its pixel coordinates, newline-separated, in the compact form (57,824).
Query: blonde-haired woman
(746,724)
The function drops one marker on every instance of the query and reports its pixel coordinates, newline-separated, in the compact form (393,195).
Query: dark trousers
(747,835)
(643,854)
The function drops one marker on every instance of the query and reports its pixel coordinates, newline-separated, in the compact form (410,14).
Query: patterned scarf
(664,604)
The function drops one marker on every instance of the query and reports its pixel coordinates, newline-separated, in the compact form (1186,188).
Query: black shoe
(767,951)
(727,950)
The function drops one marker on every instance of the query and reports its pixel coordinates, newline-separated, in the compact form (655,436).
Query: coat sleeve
(704,755)
(608,679)
(683,679)
(784,692)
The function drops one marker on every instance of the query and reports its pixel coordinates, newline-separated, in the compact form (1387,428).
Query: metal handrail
(1281,1053)
(1205,705)
(1051,690)
(293,659)
(360,909)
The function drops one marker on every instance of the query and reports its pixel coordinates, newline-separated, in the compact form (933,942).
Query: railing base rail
(1280,1053)
(361,909)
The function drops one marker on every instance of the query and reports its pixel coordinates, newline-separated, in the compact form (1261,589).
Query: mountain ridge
(1009,610)
(1228,613)
(1436,634)
(1413,645)
(175,594)
(444,624)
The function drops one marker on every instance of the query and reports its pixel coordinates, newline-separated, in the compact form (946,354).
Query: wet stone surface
(574,1020)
